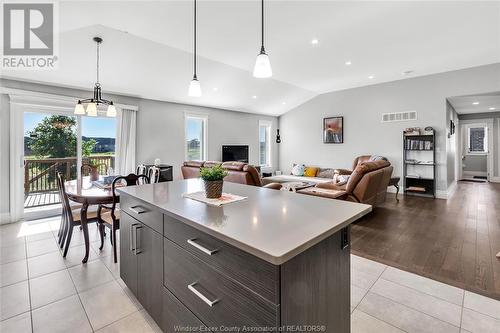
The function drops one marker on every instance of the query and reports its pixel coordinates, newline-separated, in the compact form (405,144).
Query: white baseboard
(451,189)
(4,218)
(440,194)
(474,173)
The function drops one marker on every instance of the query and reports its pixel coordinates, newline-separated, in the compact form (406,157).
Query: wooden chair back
(64,197)
(130,180)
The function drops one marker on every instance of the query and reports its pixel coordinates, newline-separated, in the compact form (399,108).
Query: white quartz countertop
(272,225)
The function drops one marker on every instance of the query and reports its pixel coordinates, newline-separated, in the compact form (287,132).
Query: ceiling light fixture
(492,108)
(371,77)
(348,63)
(475,103)
(254,97)
(194,86)
(262,68)
(93,103)
(315,41)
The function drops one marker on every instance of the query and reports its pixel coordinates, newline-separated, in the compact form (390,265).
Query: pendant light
(194,85)
(262,67)
(93,103)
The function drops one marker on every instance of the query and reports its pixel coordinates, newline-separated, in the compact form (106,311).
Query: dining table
(87,193)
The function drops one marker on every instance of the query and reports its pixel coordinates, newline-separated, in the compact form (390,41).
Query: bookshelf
(419,163)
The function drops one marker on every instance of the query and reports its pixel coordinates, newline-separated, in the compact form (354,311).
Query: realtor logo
(29,35)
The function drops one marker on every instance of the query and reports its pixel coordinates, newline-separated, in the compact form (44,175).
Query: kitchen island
(276,261)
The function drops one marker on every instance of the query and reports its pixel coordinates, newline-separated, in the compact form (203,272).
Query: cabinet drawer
(142,212)
(212,297)
(176,317)
(255,273)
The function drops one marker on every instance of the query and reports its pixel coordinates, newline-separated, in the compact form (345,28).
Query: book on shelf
(411,144)
(416,189)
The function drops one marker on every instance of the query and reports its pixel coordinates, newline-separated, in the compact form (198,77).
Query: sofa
(367,184)
(237,172)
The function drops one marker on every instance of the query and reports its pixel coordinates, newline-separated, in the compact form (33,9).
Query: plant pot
(94,174)
(213,188)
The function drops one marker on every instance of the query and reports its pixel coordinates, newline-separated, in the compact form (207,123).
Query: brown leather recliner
(237,172)
(357,161)
(367,184)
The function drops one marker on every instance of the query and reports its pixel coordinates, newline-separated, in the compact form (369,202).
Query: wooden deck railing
(40,174)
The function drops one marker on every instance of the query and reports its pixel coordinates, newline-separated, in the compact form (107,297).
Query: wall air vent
(399,116)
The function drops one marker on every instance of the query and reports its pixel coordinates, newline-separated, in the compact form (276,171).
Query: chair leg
(68,240)
(100,226)
(64,233)
(113,232)
(111,236)
(397,191)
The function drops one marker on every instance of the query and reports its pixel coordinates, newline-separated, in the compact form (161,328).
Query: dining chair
(70,217)
(109,216)
(141,169)
(154,174)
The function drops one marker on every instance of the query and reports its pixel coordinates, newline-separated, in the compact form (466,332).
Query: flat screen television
(235,153)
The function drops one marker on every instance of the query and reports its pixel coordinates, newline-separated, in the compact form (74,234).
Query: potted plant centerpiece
(213,178)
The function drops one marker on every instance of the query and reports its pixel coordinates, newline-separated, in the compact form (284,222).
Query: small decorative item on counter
(157,162)
(213,178)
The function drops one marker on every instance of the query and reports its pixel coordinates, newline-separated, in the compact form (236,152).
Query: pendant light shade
(92,109)
(194,86)
(111,111)
(262,68)
(79,109)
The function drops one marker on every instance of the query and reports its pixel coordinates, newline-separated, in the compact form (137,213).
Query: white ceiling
(147,47)
(476,103)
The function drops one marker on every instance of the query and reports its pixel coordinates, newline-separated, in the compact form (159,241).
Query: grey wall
(160,130)
(451,144)
(362,108)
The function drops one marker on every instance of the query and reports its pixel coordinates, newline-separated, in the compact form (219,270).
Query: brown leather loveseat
(237,172)
(366,184)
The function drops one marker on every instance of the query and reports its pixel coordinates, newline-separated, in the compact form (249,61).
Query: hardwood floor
(453,241)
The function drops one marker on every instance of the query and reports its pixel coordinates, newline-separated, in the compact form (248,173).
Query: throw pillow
(325,173)
(298,170)
(310,171)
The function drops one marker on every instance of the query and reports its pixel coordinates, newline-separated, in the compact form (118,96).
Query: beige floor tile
(402,316)
(425,285)
(40,236)
(134,323)
(106,304)
(63,316)
(17,324)
(50,288)
(11,253)
(13,272)
(357,295)
(90,275)
(45,263)
(419,301)
(75,256)
(364,323)
(362,279)
(476,322)
(10,235)
(151,321)
(129,293)
(482,304)
(368,266)
(14,300)
(111,265)
(43,246)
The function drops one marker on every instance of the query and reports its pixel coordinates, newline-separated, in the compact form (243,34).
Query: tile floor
(42,292)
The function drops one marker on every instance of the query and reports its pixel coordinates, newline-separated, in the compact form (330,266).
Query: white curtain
(125,137)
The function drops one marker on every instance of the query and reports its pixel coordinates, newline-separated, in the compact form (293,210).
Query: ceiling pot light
(254,97)
(475,103)
(194,86)
(371,77)
(262,68)
(348,63)
(492,108)
(315,41)
(97,99)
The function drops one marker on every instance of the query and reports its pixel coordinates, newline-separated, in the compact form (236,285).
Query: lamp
(93,103)
(262,68)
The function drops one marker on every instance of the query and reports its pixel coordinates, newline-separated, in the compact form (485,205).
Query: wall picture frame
(333,130)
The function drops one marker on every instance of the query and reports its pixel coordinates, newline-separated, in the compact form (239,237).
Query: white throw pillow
(298,170)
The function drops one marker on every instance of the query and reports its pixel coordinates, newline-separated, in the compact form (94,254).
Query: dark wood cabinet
(141,263)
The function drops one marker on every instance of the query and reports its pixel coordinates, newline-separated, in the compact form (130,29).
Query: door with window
(195,137)
(475,151)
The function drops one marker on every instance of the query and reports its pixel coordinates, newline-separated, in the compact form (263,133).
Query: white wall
(451,145)
(160,130)
(301,128)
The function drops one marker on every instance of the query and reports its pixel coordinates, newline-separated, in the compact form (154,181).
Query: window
(478,139)
(196,138)
(264,143)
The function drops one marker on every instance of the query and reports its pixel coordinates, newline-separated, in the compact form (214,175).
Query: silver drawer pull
(200,295)
(138,210)
(192,242)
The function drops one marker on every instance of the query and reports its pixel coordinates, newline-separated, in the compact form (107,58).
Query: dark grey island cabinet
(201,268)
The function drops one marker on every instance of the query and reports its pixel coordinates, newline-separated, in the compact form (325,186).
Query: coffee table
(296,186)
